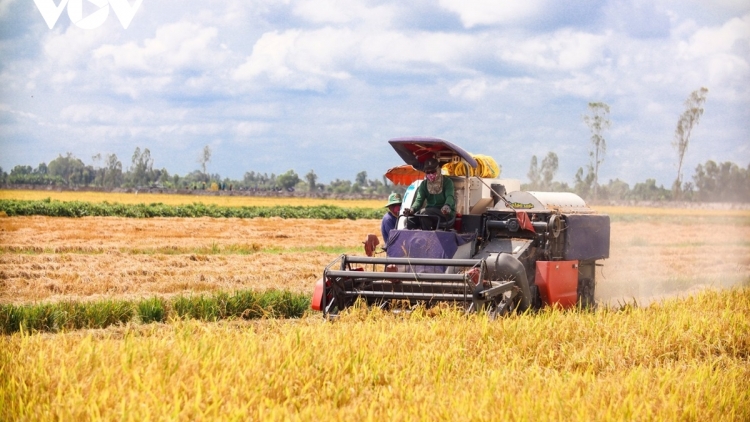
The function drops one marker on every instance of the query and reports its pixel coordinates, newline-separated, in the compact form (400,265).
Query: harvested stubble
(52,259)
(46,258)
(682,360)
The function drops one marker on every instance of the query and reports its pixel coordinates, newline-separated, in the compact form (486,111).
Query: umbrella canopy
(404,175)
(415,150)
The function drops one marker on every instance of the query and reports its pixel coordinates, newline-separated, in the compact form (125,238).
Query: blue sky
(273,85)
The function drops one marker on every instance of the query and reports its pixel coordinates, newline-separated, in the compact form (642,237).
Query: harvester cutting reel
(409,282)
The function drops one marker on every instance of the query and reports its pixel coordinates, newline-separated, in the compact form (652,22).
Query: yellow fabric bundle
(486,167)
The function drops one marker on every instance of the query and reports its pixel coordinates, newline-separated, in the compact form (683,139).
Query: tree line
(711,182)
(109,173)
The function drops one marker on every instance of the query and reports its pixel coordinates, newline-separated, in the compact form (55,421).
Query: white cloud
(711,40)
(250,129)
(176,46)
(309,60)
(72,47)
(84,114)
(638,18)
(343,11)
(483,12)
(297,59)
(7,108)
(562,50)
(470,89)
(410,52)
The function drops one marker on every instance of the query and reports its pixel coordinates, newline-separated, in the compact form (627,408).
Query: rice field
(686,356)
(52,259)
(224,199)
(683,360)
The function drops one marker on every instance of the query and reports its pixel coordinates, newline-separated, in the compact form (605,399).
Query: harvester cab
(505,250)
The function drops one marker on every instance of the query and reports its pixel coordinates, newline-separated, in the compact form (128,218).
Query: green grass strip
(71,315)
(53,208)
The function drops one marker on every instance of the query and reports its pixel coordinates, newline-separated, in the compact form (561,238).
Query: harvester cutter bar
(412,261)
(347,280)
(409,284)
(423,277)
(451,297)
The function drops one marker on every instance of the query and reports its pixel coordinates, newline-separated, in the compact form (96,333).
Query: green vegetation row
(72,315)
(53,208)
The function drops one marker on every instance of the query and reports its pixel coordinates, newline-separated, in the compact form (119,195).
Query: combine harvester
(505,250)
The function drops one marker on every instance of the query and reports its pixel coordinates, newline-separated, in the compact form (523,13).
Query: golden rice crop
(682,360)
(224,200)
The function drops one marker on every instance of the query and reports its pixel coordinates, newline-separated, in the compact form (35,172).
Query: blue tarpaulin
(425,244)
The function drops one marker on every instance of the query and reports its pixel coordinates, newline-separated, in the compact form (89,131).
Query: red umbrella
(404,175)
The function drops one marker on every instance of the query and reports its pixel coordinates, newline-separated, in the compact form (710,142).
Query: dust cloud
(652,259)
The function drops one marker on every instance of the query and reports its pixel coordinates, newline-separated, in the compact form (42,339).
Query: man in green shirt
(435,197)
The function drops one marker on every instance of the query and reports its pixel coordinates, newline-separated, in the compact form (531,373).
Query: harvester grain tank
(505,250)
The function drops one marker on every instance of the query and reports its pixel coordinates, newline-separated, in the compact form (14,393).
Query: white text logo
(51,12)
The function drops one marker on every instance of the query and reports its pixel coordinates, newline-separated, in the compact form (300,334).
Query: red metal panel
(317,299)
(558,282)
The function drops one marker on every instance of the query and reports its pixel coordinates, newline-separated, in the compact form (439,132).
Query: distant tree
(361,178)
(688,119)
(69,168)
(271,181)
(541,177)
(249,180)
(25,175)
(376,186)
(194,179)
(288,180)
(687,192)
(99,171)
(598,121)
(533,174)
(141,172)
(615,190)
(113,175)
(725,182)
(21,170)
(41,169)
(205,158)
(583,183)
(548,170)
(163,177)
(648,191)
(340,186)
(312,180)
